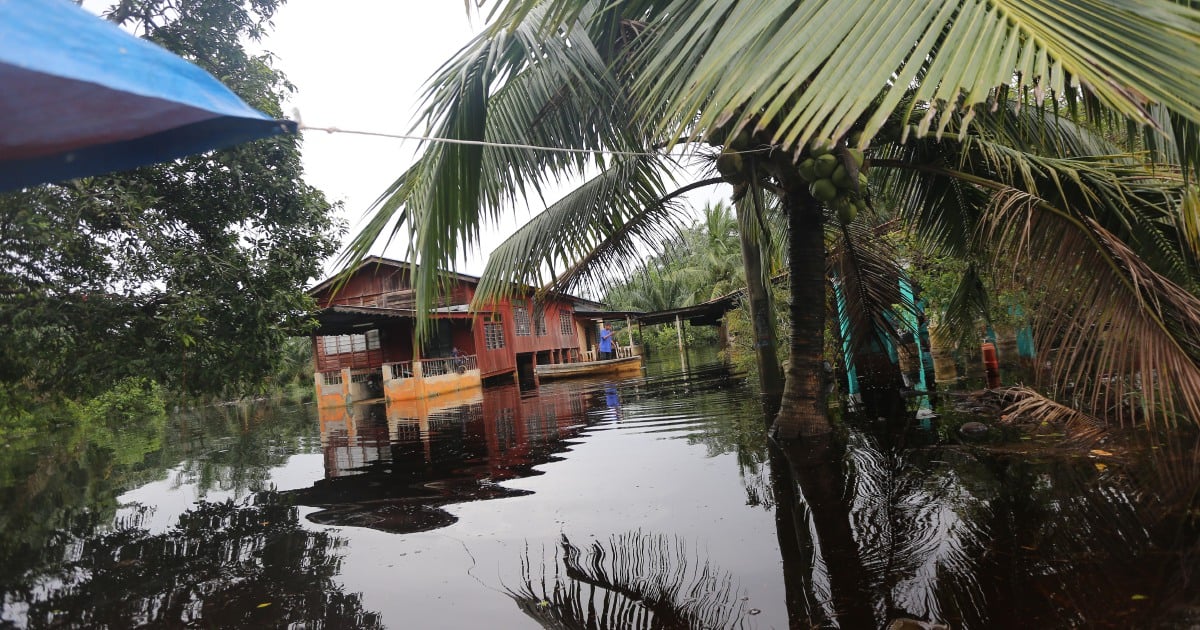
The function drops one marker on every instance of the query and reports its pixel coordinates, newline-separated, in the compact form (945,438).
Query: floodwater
(654,502)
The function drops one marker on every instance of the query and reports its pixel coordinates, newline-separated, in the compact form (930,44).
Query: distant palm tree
(939,93)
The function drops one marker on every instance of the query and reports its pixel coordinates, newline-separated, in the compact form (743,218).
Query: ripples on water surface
(651,502)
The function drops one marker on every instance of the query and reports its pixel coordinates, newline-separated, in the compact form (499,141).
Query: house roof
(386,262)
(462,277)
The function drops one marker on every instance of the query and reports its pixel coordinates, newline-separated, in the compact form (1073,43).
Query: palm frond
(592,235)
(1130,337)
(868,274)
(513,87)
(1027,405)
(811,70)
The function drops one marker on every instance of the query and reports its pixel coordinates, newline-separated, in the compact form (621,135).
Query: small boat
(589,368)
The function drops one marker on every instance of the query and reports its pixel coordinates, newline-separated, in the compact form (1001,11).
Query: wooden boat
(589,368)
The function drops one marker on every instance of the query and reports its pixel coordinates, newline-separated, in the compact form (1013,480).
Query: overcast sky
(361,64)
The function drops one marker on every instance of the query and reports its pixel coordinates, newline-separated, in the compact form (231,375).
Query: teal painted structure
(910,321)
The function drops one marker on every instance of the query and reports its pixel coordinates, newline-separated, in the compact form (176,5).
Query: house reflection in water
(391,466)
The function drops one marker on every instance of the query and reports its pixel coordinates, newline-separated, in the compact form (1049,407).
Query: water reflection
(222,565)
(656,501)
(391,466)
(975,538)
(635,580)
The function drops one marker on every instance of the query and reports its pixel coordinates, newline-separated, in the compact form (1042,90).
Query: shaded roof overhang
(708,313)
(350,320)
(607,315)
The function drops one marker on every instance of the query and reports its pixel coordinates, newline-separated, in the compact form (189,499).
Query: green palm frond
(513,88)
(812,69)
(967,305)
(589,237)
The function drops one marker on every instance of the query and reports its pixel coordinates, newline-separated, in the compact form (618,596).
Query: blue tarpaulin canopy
(80,96)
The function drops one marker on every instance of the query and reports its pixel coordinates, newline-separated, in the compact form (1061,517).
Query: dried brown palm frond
(868,275)
(1128,338)
(1027,405)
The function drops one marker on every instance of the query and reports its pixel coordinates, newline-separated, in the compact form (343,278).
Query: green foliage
(190,273)
(703,262)
(740,329)
(130,400)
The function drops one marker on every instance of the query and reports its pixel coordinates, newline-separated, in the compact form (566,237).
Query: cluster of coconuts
(833,173)
(834,182)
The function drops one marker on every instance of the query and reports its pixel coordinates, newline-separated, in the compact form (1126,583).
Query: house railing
(399,370)
(362,375)
(431,367)
(448,365)
(621,352)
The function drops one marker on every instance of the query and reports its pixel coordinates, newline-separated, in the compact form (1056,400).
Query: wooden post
(683,357)
(629,329)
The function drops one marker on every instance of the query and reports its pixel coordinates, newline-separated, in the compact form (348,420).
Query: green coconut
(841,177)
(846,209)
(825,164)
(807,170)
(823,190)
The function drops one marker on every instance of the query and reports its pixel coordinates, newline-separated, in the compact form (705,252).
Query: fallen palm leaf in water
(1030,406)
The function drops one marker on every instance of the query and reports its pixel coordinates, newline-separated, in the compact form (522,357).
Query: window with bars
(564,324)
(521,320)
(493,335)
(342,344)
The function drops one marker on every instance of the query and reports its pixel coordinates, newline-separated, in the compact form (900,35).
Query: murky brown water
(652,502)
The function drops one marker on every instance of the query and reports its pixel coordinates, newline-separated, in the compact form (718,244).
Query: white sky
(361,64)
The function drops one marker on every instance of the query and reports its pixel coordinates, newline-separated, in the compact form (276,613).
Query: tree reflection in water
(222,565)
(636,580)
(979,538)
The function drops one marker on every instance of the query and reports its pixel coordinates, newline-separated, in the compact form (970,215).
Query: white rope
(481,143)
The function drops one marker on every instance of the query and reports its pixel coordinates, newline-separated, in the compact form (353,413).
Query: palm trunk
(758,297)
(803,412)
(816,468)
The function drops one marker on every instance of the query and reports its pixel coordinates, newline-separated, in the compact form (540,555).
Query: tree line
(190,274)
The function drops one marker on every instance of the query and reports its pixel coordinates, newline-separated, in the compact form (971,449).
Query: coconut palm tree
(934,91)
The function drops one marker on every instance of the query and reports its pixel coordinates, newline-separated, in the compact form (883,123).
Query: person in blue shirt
(606,342)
